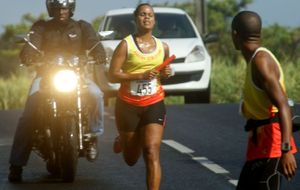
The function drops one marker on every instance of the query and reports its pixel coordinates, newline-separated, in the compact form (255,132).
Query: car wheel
(197,97)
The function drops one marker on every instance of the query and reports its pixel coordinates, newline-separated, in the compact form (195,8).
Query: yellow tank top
(256,103)
(142,92)
(138,61)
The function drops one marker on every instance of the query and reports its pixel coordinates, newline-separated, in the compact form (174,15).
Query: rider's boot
(15,174)
(92,149)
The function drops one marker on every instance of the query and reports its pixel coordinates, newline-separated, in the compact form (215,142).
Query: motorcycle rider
(59,35)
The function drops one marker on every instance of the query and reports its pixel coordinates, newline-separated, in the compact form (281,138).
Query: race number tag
(143,87)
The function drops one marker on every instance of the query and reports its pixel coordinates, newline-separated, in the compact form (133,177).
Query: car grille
(179,60)
(183,78)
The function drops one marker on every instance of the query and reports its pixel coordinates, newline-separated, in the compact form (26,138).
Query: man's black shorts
(129,117)
(260,174)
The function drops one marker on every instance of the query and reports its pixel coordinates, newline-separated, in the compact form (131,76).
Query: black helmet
(53,4)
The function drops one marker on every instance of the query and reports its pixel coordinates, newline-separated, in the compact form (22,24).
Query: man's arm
(92,42)
(266,75)
(29,54)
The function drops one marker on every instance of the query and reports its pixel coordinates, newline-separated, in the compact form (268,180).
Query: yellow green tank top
(256,103)
(138,61)
(142,92)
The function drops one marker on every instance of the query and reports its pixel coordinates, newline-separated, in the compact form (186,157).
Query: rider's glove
(101,60)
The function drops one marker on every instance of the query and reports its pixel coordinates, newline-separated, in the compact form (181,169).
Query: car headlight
(65,81)
(197,54)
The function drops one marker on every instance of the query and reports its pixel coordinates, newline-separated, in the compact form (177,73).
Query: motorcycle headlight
(65,81)
(197,54)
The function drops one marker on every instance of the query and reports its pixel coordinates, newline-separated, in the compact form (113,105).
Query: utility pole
(200,16)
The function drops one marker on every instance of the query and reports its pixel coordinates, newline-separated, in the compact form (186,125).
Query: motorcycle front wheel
(69,149)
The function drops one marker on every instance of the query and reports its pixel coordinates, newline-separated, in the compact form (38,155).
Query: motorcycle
(62,132)
(295,116)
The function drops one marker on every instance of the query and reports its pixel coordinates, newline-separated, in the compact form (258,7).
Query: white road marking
(233,181)
(201,160)
(210,165)
(5,142)
(179,147)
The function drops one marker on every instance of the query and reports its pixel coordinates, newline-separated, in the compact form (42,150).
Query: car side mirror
(106,35)
(211,37)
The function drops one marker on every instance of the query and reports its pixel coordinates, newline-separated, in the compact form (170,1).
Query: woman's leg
(128,142)
(151,140)
(131,146)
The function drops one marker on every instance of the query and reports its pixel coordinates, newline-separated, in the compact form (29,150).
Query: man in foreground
(271,147)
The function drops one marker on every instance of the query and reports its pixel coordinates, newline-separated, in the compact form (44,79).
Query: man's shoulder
(39,23)
(84,23)
(45,23)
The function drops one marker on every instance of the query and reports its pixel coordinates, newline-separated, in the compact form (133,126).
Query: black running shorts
(260,174)
(129,117)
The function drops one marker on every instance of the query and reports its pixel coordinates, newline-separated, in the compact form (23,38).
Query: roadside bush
(227,83)
(292,78)
(228,80)
(13,91)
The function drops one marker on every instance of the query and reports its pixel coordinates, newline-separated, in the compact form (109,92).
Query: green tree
(219,17)
(96,22)
(9,49)
(286,43)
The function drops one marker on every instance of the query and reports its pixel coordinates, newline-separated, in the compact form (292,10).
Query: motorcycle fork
(79,111)
(47,114)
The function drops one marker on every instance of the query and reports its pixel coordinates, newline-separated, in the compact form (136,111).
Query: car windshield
(167,26)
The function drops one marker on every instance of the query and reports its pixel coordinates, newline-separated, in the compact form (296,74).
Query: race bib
(143,87)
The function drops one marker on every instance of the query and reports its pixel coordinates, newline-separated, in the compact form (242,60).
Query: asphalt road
(203,148)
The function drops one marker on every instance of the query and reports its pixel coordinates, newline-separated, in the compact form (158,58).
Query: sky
(283,12)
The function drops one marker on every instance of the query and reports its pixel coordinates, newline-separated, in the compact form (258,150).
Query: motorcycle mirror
(291,102)
(87,52)
(33,46)
(19,39)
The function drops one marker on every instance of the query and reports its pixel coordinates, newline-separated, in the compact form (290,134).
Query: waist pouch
(253,125)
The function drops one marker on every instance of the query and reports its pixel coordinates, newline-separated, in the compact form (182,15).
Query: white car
(192,66)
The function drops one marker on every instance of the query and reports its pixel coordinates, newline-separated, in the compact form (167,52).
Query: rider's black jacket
(71,38)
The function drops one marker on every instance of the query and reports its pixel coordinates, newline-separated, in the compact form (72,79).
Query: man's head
(246,25)
(61,9)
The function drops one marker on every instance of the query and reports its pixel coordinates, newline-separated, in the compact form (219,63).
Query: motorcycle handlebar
(60,60)
(43,59)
